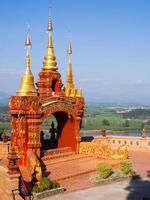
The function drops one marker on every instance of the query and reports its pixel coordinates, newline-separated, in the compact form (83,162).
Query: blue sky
(110,39)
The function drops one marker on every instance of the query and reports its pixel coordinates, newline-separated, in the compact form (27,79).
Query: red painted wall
(66,128)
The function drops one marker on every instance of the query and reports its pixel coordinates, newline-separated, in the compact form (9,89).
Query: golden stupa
(50,59)
(27,87)
(70,87)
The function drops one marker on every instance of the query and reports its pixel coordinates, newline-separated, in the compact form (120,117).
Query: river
(89,134)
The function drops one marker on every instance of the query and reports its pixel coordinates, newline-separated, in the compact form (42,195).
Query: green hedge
(44,184)
(104,170)
(126,167)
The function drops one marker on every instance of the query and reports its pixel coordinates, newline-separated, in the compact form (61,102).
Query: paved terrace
(80,187)
(126,190)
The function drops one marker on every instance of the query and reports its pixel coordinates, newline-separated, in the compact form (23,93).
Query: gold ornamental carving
(58,106)
(103,150)
(30,104)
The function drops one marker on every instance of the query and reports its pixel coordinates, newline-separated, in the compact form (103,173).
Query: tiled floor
(141,161)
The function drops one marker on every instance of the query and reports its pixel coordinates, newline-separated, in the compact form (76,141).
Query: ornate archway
(28,113)
(65,113)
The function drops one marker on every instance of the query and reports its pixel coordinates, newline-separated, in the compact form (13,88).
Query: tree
(142,125)
(105,122)
(126,123)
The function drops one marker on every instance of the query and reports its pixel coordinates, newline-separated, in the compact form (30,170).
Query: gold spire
(27,87)
(50,59)
(70,88)
(69,68)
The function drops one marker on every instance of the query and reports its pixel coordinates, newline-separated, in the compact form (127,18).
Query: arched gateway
(32,105)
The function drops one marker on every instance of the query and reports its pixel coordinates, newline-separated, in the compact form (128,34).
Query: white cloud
(139,82)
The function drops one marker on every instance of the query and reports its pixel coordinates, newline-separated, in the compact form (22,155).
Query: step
(56,151)
(66,170)
(57,179)
(58,155)
(73,168)
(64,159)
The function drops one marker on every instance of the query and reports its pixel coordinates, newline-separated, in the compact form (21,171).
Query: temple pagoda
(33,103)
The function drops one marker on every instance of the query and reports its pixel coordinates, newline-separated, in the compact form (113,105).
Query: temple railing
(132,142)
(116,141)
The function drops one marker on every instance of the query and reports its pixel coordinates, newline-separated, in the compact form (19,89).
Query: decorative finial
(28,45)
(49,25)
(27,87)
(50,59)
(69,69)
(28,41)
(69,50)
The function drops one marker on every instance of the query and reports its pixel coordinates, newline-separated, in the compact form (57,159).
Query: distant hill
(3,98)
(115,104)
(137,113)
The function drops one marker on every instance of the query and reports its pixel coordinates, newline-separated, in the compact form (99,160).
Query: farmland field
(108,118)
(100,117)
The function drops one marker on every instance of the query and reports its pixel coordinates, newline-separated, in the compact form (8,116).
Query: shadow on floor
(139,189)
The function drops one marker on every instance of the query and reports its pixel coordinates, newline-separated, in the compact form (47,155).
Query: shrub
(40,188)
(45,183)
(55,185)
(126,167)
(37,189)
(134,174)
(104,170)
(1,131)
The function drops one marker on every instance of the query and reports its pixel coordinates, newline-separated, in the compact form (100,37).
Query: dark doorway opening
(49,133)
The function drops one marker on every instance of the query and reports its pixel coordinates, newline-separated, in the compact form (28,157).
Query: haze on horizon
(110,40)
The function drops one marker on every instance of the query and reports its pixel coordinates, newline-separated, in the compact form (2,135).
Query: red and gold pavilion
(33,104)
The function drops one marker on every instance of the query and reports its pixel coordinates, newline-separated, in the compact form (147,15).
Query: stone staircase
(54,154)
(63,163)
